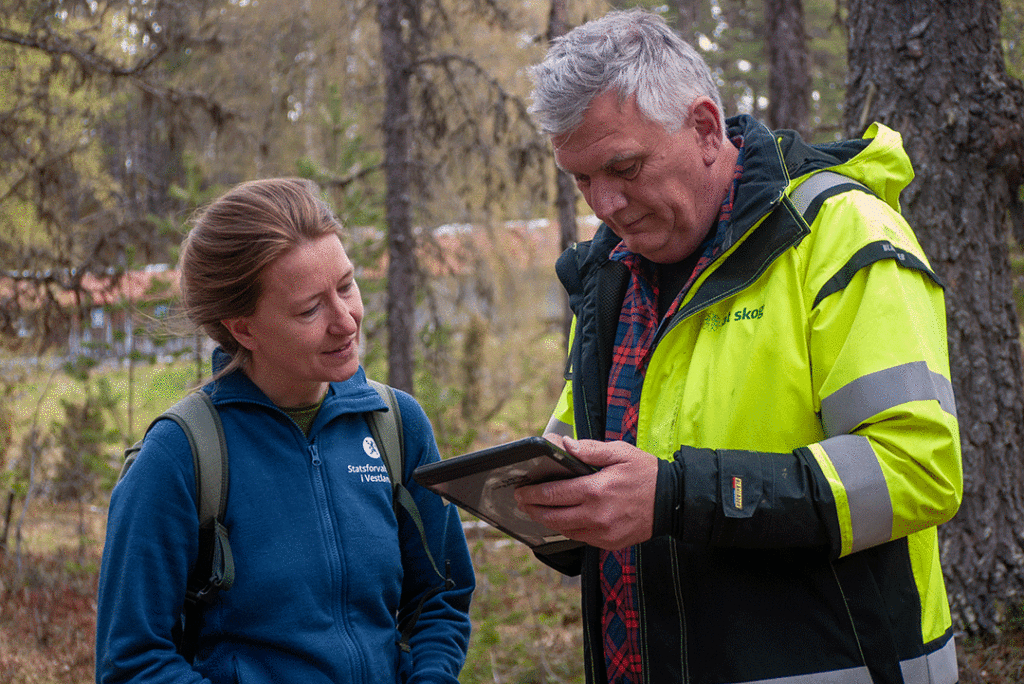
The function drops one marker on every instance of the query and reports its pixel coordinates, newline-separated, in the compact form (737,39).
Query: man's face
(656,190)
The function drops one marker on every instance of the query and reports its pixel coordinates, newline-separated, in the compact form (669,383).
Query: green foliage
(58,196)
(83,438)
(440,393)
(351,171)
(1013,37)
(34,444)
(1017,274)
(193,193)
(526,618)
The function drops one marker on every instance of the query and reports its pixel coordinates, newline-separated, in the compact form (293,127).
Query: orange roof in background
(454,249)
(155,282)
(132,286)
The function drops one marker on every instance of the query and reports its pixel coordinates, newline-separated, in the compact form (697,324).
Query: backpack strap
(386,428)
(215,567)
(198,419)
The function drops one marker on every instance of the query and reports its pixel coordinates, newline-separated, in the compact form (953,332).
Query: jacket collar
(350,396)
(764,178)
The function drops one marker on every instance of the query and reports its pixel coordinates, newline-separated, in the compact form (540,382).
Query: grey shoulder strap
(386,428)
(198,419)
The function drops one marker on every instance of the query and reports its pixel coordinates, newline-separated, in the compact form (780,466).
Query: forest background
(118,118)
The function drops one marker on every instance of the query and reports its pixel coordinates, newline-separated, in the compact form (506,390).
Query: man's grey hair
(633,52)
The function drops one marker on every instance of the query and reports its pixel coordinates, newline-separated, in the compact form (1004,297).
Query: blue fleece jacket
(323,567)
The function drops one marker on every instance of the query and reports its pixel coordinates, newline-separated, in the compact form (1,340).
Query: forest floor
(992,660)
(526,620)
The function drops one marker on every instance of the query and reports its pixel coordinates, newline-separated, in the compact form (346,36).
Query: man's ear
(705,122)
(239,329)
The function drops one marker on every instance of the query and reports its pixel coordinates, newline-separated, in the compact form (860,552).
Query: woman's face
(305,331)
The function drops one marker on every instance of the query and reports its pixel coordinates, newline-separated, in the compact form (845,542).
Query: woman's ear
(240,330)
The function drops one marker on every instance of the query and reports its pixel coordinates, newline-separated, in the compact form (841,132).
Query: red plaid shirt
(634,338)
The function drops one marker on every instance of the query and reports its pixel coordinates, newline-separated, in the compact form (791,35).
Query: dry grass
(47,598)
(992,660)
(48,622)
(526,616)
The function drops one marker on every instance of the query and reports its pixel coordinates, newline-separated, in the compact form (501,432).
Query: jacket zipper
(334,558)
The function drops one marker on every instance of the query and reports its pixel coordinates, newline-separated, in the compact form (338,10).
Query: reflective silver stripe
(558,427)
(944,390)
(867,494)
(851,405)
(853,675)
(815,185)
(935,668)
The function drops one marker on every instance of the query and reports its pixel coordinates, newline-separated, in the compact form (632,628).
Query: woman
(323,566)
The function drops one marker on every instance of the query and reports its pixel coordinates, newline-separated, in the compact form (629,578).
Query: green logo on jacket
(713,321)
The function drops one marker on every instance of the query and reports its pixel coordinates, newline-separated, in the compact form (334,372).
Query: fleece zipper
(335,562)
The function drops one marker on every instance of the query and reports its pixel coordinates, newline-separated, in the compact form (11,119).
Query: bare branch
(348,179)
(93,63)
(446,60)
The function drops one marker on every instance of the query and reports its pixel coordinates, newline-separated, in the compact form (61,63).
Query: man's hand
(611,509)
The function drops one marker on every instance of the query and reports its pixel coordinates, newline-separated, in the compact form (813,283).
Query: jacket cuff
(686,496)
(668,499)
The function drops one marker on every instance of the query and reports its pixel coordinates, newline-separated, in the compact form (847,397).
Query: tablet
(483,483)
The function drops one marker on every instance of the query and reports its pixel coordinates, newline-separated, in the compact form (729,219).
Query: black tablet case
(483,482)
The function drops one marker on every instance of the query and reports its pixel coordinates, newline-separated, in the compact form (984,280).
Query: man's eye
(310,311)
(629,172)
(582,180)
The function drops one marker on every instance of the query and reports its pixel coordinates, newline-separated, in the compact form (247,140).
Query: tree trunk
(934,71)
(789,74)
(401,305)
(565,196)
(310,122)
(8,510)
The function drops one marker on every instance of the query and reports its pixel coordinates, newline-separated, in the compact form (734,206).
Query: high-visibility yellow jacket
(801,402)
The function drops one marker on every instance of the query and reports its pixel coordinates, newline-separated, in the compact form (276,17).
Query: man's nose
(606,197)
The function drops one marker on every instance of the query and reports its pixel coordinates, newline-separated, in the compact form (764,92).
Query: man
(765,386)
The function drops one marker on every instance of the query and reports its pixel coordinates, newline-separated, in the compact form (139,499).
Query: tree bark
(401,299)
(935,72)
(565,187)
(789,73)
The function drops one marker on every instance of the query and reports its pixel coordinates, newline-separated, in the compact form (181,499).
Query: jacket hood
(877,160)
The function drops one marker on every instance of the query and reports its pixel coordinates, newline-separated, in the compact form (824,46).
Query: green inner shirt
(304,415)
